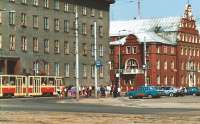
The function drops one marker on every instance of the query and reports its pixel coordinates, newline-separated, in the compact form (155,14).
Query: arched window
(131,64)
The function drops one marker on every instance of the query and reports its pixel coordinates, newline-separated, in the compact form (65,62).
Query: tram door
(36,86)
(58,83)
(19,86)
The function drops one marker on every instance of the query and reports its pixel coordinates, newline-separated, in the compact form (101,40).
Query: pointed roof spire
(188,11)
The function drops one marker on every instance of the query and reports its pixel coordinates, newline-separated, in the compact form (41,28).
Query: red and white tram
(19,85)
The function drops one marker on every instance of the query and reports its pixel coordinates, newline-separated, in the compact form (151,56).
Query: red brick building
(172,51)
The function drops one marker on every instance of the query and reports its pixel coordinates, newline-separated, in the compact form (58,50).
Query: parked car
(195,91)
(172,91)
(143,91)
(160,90)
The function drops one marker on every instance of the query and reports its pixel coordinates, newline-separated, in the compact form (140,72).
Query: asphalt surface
(53,105)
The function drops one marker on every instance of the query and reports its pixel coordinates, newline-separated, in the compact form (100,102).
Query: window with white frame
(0,41)
(101,50)
(84,48)
(67,70)
(35,21)
(46,3)
(56,46)
(165,80)
(84,70)
(46,45)
(56,24)
(66,47)
(158,49)
(23,19)
(158,64)
(101,72)
(24,2)
(172,64)
(182,66)
(66,6)
(134,50)
(92,12)
(186,51)
(35,2)
(56,4)
(12,42)
(92,70)
(57,69)
(158,79)
(36,67)
(12,15)
(172,50)
(66,25)
(46,68)
(24,43)
(92,30)
(84,10)
(128,50)
(172,80)
(165,65)
(35,44)
(46,23)
(100,14)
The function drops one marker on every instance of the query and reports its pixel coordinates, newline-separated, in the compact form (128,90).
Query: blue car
(195,91)
(144,91)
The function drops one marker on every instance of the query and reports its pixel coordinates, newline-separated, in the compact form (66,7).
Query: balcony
(133,71)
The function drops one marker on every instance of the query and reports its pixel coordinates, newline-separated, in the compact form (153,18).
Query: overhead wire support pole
(95,58)
(77,54)
(145,62)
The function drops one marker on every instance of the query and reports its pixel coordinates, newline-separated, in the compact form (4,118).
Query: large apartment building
(37,37)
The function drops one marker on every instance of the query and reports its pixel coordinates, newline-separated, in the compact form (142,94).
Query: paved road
(52,104)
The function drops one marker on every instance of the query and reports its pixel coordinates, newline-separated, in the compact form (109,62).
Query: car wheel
(171,94)
(194,94)
(130,97)
(149,96)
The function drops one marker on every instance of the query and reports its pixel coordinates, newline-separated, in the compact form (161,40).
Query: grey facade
(37,37)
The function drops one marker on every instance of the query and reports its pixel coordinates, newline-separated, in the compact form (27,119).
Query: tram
(19,85)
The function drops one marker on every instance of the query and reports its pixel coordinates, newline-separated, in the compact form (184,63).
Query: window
(158,79)
(46,68)
(165,80)
(11,0)
(84,29)
(182,66)
(92,12)
(92,70)
(36,67)
(92,30)
(24,2)
(101,31)
(0,41)
(56,24)
(158,49)
(165,49)
(181,51)
(165,65)
(172,50)
(35,21)
(23,19)
(66,47)
(92,49)
(46,23)
(101,50)
(12,42)
(197,52)
(66,7)
(56,4)
(67,70)
(172,80)
(46,3)
(66,25)
(101,72)
(84,10)
(172,64)
(134,50)
(100,14)
(12,18)
(0,17)
(57,69)
(84,70)
(24,43)
(158,64)
(128,50)
(35,44)
(35,2)
(84,49)
(46,45)
(56,46)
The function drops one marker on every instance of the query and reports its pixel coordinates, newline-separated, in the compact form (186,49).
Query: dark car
(195,91)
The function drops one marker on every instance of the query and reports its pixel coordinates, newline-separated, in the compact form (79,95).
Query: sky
(127,9)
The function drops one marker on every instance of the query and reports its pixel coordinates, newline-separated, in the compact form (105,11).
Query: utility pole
(77,56)
(145,62)
(95,58)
